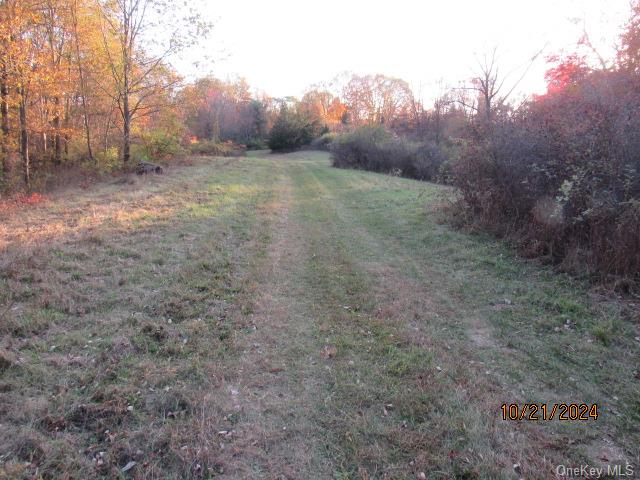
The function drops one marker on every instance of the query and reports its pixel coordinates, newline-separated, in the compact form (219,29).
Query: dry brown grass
(115,311)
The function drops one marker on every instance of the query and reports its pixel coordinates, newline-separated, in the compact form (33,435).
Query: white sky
(284,46)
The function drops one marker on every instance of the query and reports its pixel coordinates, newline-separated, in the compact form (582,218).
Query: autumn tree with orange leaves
(74,73)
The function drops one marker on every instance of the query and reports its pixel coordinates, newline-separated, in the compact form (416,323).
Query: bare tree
(492,88)
(377,99)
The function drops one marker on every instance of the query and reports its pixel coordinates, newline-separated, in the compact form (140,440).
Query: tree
(377,99)
(77,34)
(565,70)
(222,110)
(4,94)
(55,25)
(259,119)
(22,65)
(491,87)
(292,129)
(322,105)
(139,76)
(8,48)
(629,52)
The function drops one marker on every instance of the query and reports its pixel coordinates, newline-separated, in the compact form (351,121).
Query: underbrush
(562,179)
(377,149)
(323,142)
(158,145)
(256,144)
(77,168)
(218,149)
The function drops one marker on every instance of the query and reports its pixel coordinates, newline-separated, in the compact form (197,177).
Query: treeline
(78,85)
(559,174)
(353,101)
(86,84)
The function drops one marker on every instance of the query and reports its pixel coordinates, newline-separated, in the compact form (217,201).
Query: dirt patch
(481,337)
(605,452)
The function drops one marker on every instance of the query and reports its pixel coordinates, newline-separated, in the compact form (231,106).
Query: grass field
(272,317)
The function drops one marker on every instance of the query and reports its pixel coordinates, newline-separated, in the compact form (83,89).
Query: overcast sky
(284,46)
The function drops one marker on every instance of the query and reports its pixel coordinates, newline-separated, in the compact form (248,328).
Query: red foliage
(32,199)
(22,199)
(565,71)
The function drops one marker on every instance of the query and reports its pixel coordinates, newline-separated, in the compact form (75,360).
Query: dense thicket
(563,173)
(293,129)
(377,149)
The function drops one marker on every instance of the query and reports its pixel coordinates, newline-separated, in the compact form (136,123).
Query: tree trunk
(67,119)
(126,114)
(4,124)
(83,90)
(85,115)
(106,132)
(57,140)
(487,107)
(24,140)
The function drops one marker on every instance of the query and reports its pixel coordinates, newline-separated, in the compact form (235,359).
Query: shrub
(563,176)
(292,131)
(218,149)
(256,144)
(369,148)
(157,145)
(107,161)
(429,159)
(375,148)
(323,142)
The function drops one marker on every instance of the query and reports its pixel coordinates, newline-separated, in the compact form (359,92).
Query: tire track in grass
(276,376)
(392,409)
(419,296)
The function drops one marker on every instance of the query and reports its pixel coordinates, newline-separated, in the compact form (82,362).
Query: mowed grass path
(272,317)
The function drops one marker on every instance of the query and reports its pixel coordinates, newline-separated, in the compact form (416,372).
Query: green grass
(482,303)
(329,323)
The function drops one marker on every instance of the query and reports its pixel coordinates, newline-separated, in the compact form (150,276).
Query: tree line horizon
(77,83)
